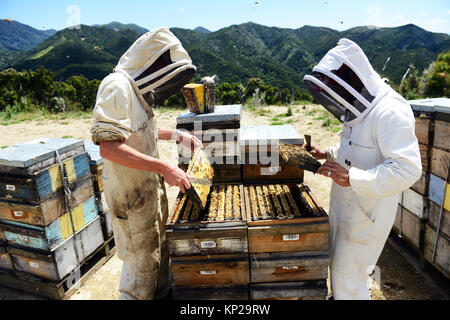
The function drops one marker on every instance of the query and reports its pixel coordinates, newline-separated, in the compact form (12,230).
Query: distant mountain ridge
(15,36)
(278,56)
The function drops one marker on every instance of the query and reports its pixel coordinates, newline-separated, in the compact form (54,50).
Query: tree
(409,87)
(436,79)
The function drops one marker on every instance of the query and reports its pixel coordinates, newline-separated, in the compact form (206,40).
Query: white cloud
(424,13)
(374,13)
(448,11)
(398,18)
(435,25)
(181,9)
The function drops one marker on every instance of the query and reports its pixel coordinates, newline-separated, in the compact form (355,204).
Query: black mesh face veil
(159,95)
(328,102)
(351,78)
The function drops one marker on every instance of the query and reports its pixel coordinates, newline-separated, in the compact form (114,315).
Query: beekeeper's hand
(336,172)
(316,152)
(175,177)
(188,140)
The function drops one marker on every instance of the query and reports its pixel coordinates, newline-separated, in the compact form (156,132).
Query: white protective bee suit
(150,71)
(381,152)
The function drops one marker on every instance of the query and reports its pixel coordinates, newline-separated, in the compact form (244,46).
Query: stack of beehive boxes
(96,166)
(287,229)
(219,133)
(423,215)
(35,221)
(244,256)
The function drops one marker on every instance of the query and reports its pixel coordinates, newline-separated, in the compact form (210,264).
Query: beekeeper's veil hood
(157,66)
(345,83)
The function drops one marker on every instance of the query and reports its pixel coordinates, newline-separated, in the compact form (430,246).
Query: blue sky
(433,15)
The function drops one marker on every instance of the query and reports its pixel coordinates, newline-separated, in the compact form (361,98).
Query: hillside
(15,36)
(279,56)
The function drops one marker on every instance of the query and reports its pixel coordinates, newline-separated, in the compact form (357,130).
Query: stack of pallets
(219,132)
(46,193)
(423,213)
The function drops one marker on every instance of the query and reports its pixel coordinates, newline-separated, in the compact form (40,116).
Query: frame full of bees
(299,157)
(281,204)
(201,173)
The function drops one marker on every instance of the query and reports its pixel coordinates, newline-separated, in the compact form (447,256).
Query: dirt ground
(399,280)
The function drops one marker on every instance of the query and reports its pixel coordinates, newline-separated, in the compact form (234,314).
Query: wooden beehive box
(200,235)
(289,267)
(409,227)
(96,164)
(55,265)
(215,270)
(305,232)
(44,183)
(107,225)
(35,156)
(414,203)
(220,293)
(258,144)
(308,290)
(422,185)
(433,218)
(223,118)
(442,262)
(5,260)
(44,212)
(50,237)
(440,160)
(442,124)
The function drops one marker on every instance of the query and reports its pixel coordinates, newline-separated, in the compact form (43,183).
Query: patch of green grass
(277,124)
(309,123)
(42,53)
(67,137)
(64,123)
(290,121)
(4,147)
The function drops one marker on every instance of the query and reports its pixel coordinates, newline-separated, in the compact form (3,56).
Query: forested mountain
(278,56)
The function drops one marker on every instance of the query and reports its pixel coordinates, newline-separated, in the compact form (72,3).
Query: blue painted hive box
(31,172)
(96,165)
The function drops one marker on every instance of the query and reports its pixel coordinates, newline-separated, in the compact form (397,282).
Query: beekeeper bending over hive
(155,67)
(378,158)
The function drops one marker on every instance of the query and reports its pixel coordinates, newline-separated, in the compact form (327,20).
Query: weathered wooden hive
(37,220)
(423,217)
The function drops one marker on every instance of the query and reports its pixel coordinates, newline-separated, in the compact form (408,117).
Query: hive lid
(27,154)
(267,135)
(94,153)
(221,114)
(201,173)
(431,105)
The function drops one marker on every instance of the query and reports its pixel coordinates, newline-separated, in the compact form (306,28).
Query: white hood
(156,62)
(345,83)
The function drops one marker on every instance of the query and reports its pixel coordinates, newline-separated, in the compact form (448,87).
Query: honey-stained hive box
(61,261)
(224,270)
(51,236)
(219,229)
(284,218)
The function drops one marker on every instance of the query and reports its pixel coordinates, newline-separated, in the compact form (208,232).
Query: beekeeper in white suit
(378,158)
(155,67)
